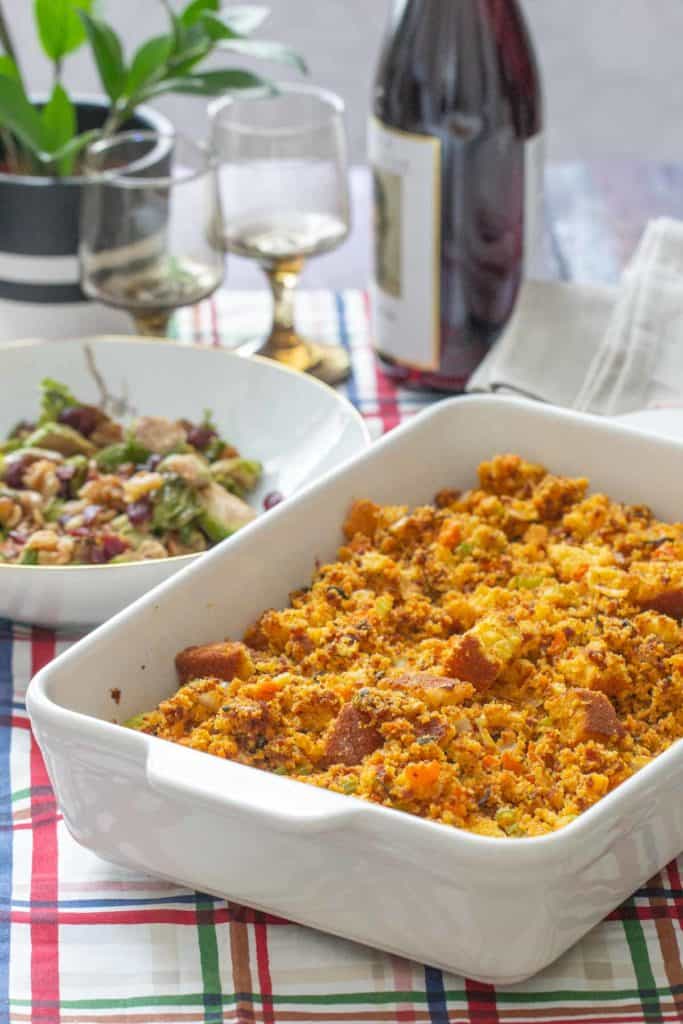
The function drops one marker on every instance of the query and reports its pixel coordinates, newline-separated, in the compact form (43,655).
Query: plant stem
(57,77)
(112,124)
(11,151)
(6,41)
(9,143)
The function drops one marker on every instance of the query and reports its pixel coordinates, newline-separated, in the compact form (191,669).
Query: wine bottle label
(407,210)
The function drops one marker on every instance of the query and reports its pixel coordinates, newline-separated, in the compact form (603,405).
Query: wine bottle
(455,145)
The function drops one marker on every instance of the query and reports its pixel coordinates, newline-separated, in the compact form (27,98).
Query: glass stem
(283,277)
(153,324)
(284,344)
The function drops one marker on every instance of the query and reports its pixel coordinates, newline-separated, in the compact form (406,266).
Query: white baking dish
(492,909)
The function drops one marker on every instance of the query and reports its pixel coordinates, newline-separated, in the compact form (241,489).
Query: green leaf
(194,11)
(108,54)
(176,24)
(196,45)
(265,50)
(60,28)
(58,118)
(8,68)
(244,18)
(149,63)
(212,83)
(19,115)
(71,148)
(216,29)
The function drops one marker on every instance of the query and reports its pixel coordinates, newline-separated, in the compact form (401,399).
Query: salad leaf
(237,475)
(175,505)
(110,458)
(55,399)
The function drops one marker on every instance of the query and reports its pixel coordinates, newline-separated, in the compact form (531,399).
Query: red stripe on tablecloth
(44,869)
(387,399)
(99,917)
(403,982)
(481,1002)
(675,882)
(263,967)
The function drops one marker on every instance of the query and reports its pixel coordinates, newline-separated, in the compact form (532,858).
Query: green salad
(77,487)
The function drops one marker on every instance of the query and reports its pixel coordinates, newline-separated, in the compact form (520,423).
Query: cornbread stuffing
(497,662)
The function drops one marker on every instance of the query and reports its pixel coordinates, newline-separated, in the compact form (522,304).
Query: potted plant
(42,138)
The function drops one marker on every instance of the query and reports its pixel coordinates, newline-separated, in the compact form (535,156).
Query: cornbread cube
(352,738)
(585,715)
(655,624)
(594,667)
(481,654)
(469,662)
(363,517)
(225,661)
(667,602)
(436,691)
(659,585)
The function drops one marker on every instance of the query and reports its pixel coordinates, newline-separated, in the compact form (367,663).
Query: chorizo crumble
(497,662)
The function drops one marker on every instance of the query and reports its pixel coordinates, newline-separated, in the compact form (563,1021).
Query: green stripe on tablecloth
(640,956)
(21,794)
(208,956)
(355,998)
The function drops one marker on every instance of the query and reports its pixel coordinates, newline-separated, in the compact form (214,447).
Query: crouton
(225,661)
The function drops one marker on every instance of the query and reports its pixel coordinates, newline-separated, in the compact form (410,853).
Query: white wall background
(613,71)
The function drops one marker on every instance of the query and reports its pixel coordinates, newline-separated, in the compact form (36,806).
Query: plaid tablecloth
(84,941)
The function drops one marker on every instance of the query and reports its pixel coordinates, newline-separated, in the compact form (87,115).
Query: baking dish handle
(178,773)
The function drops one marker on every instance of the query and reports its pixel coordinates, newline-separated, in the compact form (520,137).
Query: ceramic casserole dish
(497,910)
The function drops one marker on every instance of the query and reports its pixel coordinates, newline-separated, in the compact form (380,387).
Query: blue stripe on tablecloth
(344,337)
(5,809)
(436,996)
(137,901)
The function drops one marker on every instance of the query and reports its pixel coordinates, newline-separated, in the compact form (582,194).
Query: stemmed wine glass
(145,239)
(284,197)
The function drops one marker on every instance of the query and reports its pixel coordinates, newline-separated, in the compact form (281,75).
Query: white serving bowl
(494,909)
(297,427)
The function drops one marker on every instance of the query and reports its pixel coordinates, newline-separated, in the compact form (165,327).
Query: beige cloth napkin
(599,349)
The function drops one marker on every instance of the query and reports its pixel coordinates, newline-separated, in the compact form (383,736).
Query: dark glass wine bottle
(455,146)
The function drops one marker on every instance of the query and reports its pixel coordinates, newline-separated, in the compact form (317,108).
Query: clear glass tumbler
(145,239)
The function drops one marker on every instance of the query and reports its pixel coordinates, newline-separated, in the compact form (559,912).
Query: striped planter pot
(39,222)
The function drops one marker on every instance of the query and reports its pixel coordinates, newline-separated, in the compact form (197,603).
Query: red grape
(14,472)
(272,499)
(139,512)
(201,437)
(83,418)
